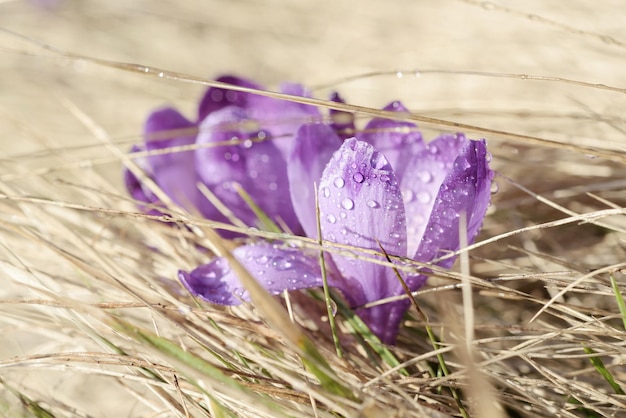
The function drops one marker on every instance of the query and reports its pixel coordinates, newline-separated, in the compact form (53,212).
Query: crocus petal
(342,122)
(172,170)
(258,167)
(280,119)
(137,189)
(276,268)
(313,149)
(424,176)
(398,141)
(465,189)
(217,98)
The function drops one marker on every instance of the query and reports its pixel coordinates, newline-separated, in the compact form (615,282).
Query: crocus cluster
(381,187)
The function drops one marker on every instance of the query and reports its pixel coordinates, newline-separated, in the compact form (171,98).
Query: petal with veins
(466,188)
(424,176)
(276,268)
(257,166)
(361,205)
(313,149)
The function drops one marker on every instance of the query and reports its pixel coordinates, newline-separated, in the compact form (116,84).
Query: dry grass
(94,322)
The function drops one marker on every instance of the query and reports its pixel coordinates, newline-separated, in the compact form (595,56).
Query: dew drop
(347,203)
(231,96)
(262,259)
(282,263)
(343,231)
(494,187)
(217,95)
(377,160)
(373,204)
(409,196)
(331,218)
(384,178)
(433,149)
(425,177)
(358,177)
(247,143)
(261,273)
(450,213)
(394,235)
(339,182)
(343,215)
(325,192)
(423,197)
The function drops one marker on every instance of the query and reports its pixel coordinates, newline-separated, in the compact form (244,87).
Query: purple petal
(361,205)
(314,147)
(258,167)
(276,268)
(281,118)
(424,175)
(466,188)
(398,141)
(172,170)
(137,189)
(342,122)
(217,98)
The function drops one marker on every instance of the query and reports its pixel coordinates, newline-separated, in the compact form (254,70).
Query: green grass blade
(265,222)
(620,299)
(603,371)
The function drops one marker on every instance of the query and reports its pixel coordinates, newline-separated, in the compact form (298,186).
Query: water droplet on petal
(262,259)
(384,178)
(358,177)
(494,187)
(377,160)
(394,235)
(247,143)
(217,95)
(343,215)
(325,192)
(450,213)
(409,196)
(433,149)
(347,203)
(261,273)
(423,197)
(373,204)
(281,263)
(331,218)
(343,231)
(339,182)
(425,177)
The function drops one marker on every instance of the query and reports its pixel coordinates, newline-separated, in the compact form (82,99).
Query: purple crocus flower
(385,187)
(261,132)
